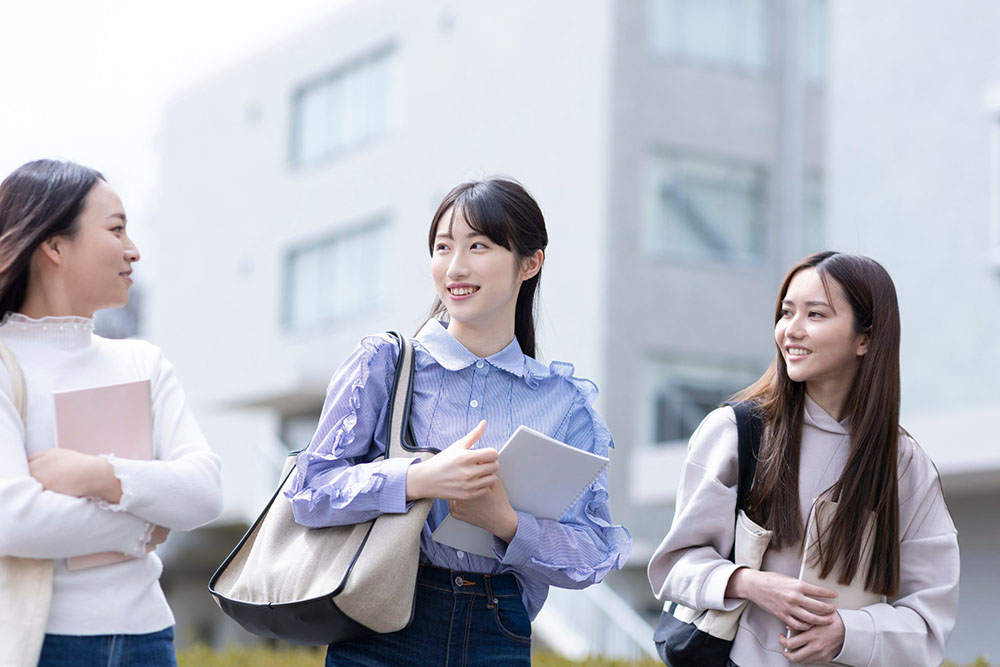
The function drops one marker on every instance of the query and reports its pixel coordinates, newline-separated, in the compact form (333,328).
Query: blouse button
(479,364)
(474,403)
(460,554)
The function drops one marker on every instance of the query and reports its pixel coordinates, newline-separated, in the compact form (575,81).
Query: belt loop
(490,600)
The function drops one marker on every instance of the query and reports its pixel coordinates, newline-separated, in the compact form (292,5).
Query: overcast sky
(87,80)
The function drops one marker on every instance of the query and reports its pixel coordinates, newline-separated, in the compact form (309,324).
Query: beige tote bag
(25,583)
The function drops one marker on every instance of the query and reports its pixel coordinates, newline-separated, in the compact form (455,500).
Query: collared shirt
(339,482)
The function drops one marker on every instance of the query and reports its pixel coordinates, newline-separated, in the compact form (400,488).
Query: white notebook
(849,596)
(542,476)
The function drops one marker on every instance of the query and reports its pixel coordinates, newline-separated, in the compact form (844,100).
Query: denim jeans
(461,618)
(155,649)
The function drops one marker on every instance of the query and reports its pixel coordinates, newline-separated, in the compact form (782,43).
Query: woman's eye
(479,245)
(815,313)
(785,312)
(440,247)
(118,230)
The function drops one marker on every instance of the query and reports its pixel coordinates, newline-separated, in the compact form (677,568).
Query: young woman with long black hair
(65,253)
(830,409)
(476,381)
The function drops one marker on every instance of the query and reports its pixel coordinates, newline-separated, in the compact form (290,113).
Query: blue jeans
(155,649)
(461,618)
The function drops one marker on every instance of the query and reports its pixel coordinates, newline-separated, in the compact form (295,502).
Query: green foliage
(247,656)
(552,660)
(258,656)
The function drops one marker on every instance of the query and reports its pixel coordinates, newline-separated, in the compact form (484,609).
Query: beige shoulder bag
(25,583)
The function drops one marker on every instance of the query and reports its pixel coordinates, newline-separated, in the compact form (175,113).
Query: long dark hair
(503,211)
(38,200)
(869,481)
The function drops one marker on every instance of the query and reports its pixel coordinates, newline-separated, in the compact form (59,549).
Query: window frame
(383,55)
(649,209)
(326,242)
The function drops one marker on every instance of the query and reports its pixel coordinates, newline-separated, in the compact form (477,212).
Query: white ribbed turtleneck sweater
(180,489)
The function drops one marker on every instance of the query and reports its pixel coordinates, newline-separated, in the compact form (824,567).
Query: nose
(795,328)
(131,251)
(457,268)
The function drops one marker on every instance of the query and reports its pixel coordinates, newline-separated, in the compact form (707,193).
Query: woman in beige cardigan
(830,408)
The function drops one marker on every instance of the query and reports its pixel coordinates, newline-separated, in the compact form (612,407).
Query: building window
(705,208)
(993,109)
(718,32)
(683,393)
(336,276)
(813,214)
(816,29)
(343,109)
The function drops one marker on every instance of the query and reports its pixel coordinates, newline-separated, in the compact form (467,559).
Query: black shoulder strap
(749,427)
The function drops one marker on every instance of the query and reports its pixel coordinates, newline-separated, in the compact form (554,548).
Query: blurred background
(280,166)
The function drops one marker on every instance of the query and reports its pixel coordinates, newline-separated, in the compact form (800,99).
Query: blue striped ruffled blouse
(337,481)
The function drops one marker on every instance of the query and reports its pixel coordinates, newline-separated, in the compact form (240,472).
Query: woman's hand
(491,511)
(791,600)
(818,644)
(75,474)
(456,473)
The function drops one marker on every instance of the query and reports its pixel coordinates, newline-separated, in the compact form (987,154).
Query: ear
(51,250)
(862,344)
(532,264)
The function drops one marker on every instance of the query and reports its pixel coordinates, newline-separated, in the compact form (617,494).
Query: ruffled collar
(64,330)
(454,356)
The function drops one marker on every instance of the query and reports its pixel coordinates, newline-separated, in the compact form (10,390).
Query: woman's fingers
(817,591)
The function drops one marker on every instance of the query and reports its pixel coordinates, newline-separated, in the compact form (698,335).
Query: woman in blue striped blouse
(476,381)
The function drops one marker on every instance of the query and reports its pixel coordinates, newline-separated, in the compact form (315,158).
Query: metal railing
(593,621)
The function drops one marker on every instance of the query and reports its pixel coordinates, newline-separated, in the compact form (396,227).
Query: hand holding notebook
(542,477)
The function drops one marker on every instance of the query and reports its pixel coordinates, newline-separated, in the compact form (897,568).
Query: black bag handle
(748,427)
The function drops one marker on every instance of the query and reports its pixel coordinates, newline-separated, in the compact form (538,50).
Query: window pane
(815,40)
(683,393)
(727,32)
(311,132)
(705,208)
(813,214)
(342,109)
(336,277)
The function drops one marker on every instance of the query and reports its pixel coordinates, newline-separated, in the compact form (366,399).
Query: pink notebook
(115,419)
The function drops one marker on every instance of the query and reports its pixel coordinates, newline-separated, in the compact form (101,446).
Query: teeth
(462,291)
(797,351)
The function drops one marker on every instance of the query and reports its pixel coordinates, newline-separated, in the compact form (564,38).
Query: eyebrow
(120,216)
(808,304)
(448,235)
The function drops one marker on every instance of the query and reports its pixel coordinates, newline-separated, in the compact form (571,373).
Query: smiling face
(95,263)
(815,333)
(476,279)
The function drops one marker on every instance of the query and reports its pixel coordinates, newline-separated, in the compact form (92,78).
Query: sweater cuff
(120,469)
(392,495)
(859,638)
(519,551)
(714,589)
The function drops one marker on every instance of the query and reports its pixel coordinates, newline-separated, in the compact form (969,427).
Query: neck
(831,396)
(39,302)
(481,341)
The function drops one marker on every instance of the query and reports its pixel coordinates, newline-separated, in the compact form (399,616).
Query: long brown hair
(38,200)
(869,479)
(503,211)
